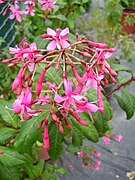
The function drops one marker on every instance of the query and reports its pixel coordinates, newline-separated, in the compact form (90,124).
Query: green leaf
(56,139)
(53,76)
(84,1)
(6,133)
(11,157)
(61,17)
(61,170)
(39,168)
(100,123)
(119,100)
(28,134)
(41,42)
(8,173)
(129,103)
(108,115)
(77,138)
(72,148)
(89,131)
(7,115)
(71,20)
(119,67)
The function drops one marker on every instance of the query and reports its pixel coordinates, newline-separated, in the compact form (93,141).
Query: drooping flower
(59,38)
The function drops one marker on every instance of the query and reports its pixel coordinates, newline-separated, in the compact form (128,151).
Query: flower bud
(46,137)
(39,83)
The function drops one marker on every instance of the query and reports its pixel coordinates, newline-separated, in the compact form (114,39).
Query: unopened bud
(40,81)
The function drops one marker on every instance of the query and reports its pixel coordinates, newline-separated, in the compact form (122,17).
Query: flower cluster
(83,59)
(14,7)
(90,160)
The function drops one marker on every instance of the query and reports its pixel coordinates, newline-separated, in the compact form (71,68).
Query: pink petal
(65,44)
(64,32)
(51,45)
(18,17)
(27,97)
(51,32)
(33,46)
(92,107)
(94,84)
(17,106)
(68,87)
(108,54)
(31,67)
(12,16)
(59,99)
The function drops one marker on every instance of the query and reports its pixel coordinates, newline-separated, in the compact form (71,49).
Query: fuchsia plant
(66,56)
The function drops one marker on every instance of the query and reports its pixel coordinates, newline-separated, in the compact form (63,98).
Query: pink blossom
(30,10)
(118,137)
(2,1)
(23,102)
(59,38)
(29,52)
(80,154)
(16,13)
(97,154)
(87,106)
(107,140)
(46,4)
(98,163)
(70,98)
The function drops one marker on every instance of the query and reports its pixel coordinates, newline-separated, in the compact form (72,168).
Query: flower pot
(129,29)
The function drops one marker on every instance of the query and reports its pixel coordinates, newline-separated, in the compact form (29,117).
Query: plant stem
(120,85)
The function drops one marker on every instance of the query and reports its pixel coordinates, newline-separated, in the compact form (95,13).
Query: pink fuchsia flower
(107,140)
(47,4)
(118,137)
(91,80)
(87,106)
(16,13)
(22,104)
(59,38)
(70,98)
(29,52)
(30,10)
(80,154)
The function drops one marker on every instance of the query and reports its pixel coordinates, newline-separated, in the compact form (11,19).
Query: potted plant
(128,16)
